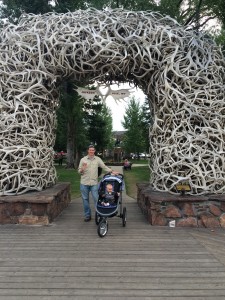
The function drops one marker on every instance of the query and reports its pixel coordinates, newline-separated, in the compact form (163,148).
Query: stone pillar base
(35,208)
(160,208)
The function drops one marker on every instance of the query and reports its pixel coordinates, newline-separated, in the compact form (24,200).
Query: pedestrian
(127,165)
(88,169)
(61,158)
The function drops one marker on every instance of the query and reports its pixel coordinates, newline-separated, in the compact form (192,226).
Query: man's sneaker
(87,219)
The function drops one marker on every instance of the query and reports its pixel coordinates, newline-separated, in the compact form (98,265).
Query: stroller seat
(109,203)
(109,192)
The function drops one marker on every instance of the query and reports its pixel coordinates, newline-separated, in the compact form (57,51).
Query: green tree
(60,143)
(71,128)
(98,119)
(12,9)
(134,140)
(146,122)
(81,122)
(63,6)
(193,13)
(220,38)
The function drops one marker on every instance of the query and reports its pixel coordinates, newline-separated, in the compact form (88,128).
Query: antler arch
(181,72)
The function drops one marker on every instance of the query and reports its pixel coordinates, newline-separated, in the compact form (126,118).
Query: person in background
(88,169)
(126,165)
(60,158)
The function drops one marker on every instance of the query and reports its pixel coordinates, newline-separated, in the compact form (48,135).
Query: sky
(118,107)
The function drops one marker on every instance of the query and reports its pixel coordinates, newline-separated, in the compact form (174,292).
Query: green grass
(140,161)
(72,176)
(136,175)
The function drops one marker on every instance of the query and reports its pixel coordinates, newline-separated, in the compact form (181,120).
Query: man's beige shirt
(90,175)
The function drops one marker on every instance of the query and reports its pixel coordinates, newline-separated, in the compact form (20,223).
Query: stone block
(38,209)
(172,212)
(188,210)
(158,219)
(200,223)
(16,208)
(210,221)
(222,220)
(222,207)
(215,210)
(187,222)
(33,220)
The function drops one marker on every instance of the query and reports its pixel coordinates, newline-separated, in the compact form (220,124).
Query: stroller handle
(119,175)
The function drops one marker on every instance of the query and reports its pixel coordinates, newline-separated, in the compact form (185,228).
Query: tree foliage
(63,6)
(13,9)
(71,132)
(193,13)
(134,139)
(146,122)
(98,120)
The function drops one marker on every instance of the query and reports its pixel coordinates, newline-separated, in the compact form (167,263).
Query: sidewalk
(68,260)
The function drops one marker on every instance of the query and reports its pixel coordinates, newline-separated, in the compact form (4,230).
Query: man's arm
(82,167)
(103,166)
(106,168)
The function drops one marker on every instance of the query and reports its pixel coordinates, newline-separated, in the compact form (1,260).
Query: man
(88,169)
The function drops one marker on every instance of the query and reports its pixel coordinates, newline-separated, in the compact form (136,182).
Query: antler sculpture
(181,72)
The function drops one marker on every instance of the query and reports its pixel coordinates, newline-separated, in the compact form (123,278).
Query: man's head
(91,150)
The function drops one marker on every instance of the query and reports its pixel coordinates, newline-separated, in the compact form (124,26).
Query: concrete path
(68,260)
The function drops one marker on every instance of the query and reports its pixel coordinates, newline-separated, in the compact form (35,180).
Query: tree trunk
(70,146)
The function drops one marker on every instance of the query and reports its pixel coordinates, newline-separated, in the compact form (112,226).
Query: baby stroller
(109,203)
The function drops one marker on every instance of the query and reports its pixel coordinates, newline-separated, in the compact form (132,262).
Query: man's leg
(85,189)
(94,193)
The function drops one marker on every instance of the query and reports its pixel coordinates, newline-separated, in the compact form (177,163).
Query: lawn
(72,176)
(136,175)
(139,161)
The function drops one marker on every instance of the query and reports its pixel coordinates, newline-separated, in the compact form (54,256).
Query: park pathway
(68,260)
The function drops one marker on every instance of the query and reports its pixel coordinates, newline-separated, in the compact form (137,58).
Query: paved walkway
(68,260)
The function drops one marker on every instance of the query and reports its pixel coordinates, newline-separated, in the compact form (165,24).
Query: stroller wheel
(102,228)
(124,217)
(97,218)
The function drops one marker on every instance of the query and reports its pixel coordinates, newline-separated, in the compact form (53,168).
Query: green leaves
(12,9)
(134,139)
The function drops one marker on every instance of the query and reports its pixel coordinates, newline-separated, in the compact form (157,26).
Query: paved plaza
(68,260)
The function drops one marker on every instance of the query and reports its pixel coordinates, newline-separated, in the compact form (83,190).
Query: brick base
(186,210)
(35,208)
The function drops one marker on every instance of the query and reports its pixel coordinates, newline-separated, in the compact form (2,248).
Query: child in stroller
(110,202)
(109,197)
